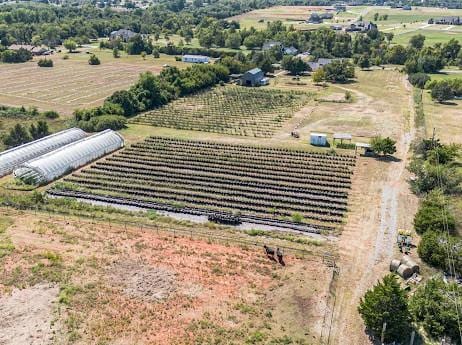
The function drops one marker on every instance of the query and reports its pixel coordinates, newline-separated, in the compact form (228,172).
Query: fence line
(327,257)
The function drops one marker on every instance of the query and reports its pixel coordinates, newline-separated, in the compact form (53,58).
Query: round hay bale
(404,271)
(394,264)
(406,260)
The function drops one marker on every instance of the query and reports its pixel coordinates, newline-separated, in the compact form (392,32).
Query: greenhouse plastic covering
(57,163)
(12,158)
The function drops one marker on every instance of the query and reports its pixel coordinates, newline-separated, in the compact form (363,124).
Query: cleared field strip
(66,86)
(273,184)
(234,110)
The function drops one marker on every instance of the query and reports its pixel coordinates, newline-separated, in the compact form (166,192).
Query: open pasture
(269,183)
(287,14)
(379,107)
(70,84)
(234,110)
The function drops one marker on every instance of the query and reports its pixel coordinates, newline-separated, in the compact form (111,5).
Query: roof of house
(344,136)
(255,71)
(324,61)
(191,56)
(123,32)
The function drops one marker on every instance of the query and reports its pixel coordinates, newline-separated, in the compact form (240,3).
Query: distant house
(446,21)
(361,26)
(318,139)
(36,51)
(315,65)
(122,34)
(407,8)
(271,44)
(314,18)
(195,58)
(318,18)
(254,77)
(340,7)
(290,50)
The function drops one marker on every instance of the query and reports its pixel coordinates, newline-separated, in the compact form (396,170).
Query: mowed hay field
(71,83)
(101,283)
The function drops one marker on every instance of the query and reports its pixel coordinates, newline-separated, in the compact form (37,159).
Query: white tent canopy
(57,163)
(12,158)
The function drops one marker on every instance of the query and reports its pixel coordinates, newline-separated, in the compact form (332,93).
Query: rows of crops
(234,110)
(255,181)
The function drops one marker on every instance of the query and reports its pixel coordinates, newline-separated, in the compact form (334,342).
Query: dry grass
(133,286)
(380,102)
(72,83)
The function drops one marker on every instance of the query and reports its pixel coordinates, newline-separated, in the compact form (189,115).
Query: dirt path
(380,204)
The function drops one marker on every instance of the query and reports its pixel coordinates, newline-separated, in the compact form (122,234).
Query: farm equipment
(404,241)
(224,219)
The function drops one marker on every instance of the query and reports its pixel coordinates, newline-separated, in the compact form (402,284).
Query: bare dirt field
(123,285)
(70,84)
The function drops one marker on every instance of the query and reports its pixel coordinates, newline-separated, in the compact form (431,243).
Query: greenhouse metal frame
(14,157)
(59,162)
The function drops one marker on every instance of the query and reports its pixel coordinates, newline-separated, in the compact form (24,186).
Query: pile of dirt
(142,281)
(26,315)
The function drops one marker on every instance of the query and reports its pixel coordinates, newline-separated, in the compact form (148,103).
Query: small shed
(254,77)
(342,137)
(195,58)
(318,139)
(364,146)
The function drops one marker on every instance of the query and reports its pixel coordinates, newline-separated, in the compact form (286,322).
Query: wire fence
(327,258)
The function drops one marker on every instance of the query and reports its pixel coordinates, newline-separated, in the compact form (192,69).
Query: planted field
(231,110)
(202,177)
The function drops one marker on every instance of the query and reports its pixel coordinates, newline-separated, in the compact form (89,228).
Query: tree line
(149,92)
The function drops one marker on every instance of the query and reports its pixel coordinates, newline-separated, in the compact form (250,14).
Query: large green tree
(386,303)
(434,305)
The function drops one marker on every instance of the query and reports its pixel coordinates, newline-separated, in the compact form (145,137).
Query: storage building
(57,163)
(254,77)
(13,158)
(318,139)
(195,58)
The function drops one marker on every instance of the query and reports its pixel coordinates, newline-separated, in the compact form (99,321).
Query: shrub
(419,79)
(66,57)
(93,60)
(433,216)
(16,56)
(433,249)
(442,91)
(51,114)
(45,63)
(386,146)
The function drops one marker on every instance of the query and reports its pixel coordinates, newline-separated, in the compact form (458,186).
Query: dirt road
(381,202)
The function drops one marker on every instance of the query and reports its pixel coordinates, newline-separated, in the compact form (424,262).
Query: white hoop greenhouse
(12,158)
(57,163)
